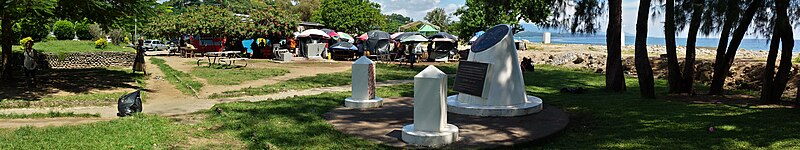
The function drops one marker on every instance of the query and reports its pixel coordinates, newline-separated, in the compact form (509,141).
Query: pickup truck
(154,45)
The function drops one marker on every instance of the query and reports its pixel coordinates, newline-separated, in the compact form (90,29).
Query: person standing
(29,64)
(138,62)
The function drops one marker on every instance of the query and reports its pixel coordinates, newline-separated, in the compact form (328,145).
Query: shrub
(49,38)
(27,28)
(100,43)
(23,41)
(82,31)
(115,35)
(127,40)
(96,31)
(64,30)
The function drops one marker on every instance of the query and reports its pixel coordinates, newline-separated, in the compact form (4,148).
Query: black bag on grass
(130,103)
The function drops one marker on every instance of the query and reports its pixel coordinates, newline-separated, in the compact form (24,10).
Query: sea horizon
(747,44)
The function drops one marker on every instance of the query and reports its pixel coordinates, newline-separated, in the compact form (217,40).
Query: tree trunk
(782,33)
(767,78)
(643,69)
(721,69)
(691,42)
(674,77)
(615,81)
(5,73)
(731,14)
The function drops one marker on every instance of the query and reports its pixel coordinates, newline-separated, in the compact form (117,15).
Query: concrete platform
(430,139)
(361,104)
(534,105)
(384,125)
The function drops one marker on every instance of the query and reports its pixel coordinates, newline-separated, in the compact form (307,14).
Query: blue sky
(416,9)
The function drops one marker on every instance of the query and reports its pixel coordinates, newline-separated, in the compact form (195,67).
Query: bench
(232,61)
(210,62)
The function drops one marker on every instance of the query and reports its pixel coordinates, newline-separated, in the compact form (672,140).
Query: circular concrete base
(360,104)
(384,125)
(430,139)
(533,105)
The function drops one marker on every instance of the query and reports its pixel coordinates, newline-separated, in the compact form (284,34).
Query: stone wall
(82,60)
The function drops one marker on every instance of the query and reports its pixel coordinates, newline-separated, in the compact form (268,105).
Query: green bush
(26,28)
(49,38)
(82,31)
(64,30)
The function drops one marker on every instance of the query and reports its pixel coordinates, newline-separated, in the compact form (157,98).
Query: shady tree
(217,21)
(107,13)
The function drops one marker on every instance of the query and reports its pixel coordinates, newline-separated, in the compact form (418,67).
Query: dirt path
(296,70)
(163,99)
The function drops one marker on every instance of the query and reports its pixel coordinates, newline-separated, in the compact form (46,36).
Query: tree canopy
(214,20)
(394,21)
(438,17)
(303,8)
(351,16)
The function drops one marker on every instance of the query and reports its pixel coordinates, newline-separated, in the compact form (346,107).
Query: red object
(363,37)
(207,44)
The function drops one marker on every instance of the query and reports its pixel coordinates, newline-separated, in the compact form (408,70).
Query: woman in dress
(138,63)
(29,64)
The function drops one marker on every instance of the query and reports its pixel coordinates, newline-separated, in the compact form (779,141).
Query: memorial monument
(363,80)
(490,81)
(546,38)
(430,126)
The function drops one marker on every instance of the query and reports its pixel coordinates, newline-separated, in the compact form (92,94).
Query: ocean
(747,44)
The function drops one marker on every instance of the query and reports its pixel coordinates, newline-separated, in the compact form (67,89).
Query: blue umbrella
(343,46)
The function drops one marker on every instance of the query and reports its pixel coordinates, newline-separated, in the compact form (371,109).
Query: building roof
(414,24)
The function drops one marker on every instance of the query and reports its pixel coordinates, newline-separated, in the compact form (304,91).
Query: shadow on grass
(52,81)
(599,119)
(603,120)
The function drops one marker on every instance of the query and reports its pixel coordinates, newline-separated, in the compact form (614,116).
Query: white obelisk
(430,126)
(363,85)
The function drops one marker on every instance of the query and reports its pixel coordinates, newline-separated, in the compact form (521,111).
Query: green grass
(86,99)
(229,75)
(51,114)
(137,132)
(384,72)
(182,81)
(81,98)
(69,46)
(598,120)
(293,123)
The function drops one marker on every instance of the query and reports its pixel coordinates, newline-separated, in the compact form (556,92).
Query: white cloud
(415,9)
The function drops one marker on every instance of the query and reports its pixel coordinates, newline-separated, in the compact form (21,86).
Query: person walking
(138,62)
(29,64)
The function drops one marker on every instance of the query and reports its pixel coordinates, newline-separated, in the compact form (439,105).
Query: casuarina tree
(643,69)
(774,84)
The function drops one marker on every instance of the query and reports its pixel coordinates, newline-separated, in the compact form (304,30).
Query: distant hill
(533,30)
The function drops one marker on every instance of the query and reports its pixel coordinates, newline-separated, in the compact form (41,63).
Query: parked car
(154,45)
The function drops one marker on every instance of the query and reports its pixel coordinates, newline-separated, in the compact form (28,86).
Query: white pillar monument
(430,126)
(363,82)
(490,82)
(546,38)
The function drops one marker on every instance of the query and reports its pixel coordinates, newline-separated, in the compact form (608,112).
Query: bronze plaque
(470,77)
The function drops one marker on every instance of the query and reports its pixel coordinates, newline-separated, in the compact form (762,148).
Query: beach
(745,72)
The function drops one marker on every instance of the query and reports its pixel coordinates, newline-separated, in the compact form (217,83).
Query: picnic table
(187,52)
(225,56)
